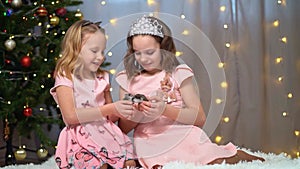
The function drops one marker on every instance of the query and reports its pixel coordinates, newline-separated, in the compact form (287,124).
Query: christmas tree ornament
(9,44)
(79,14)
(42,152)
(6,130)
(20,154)
(25,61)
(61,11)
(9,12)
(54,20)
(42,11)
(16,3)
(27,111)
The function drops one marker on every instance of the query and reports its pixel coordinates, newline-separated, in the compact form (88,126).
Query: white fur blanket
(272,162)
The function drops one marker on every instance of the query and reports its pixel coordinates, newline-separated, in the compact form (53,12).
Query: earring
(137,65)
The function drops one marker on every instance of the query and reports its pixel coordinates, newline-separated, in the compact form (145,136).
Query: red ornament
(61,11)
(26,61)
(27,111)
(42,11)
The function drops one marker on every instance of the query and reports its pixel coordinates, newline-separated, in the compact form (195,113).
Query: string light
(113,21)
(218,139)
(225,26)
(178,53)
(222,8)
(112,71)
(227,44)
(185,32)
(226,119)
(109,53)
(297,133)
(284,114)
(103,3)
(278,60)
(290,95)
(276,23)
(284,39)
(219,101)
(182,16)
(221,65)
(224,85)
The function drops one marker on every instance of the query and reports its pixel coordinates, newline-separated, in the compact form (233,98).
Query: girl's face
(147,52)
(92,52)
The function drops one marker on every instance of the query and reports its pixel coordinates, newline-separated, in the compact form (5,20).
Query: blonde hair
(168,61)
(71,46)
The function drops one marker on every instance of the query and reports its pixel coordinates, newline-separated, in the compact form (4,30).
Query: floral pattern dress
(90,145)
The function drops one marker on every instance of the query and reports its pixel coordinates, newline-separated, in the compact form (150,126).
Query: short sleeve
(122,80)
(182,72)
(60,81)
(106,77)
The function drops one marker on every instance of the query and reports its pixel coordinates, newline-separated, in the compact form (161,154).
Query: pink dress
(91,145)
(164,140)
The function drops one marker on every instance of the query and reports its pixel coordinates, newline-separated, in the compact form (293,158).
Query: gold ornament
(42,152)
(10,44)
(54,20)
(79,14)
(16,3)
(20,153)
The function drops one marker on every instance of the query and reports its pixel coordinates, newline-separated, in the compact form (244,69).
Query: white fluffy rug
(272,162)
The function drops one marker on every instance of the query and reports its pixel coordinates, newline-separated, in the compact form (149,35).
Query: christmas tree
(30,36)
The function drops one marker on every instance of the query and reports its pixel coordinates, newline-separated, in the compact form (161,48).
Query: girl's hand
(153,108)
(124,108)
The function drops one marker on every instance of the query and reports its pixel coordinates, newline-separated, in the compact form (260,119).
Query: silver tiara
(146,26)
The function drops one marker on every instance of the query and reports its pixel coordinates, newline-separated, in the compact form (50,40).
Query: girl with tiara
(167,124)
(90,139)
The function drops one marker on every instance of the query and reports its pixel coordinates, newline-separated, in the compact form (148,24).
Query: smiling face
(92,53)
(147,52)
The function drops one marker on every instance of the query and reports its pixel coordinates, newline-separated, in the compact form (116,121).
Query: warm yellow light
(221,65)
(42,86)
(280,78)
(185,32)
(225,26)
(222,8)
(103,2)
(111,89)
(276,23)
(112,71)
(284,39)
(151,2)
(25,78)
(226,119)
(106,36)
(218,101)
(178,53)
(29,34)
(40,24)
(49,75)
(297,133)
(284,114)
(109,54)
(218,139)
(279,2)
(224,84)
(113,21)
(41,109)
(278,59)
(297,153)
(290,95)
(227,44)
(182,16)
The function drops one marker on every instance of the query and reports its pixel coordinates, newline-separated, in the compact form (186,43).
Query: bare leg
(239,156)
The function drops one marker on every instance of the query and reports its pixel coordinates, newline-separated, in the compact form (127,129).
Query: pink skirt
(185,143)
(92,145)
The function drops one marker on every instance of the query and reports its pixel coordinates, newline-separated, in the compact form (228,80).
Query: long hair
(167,46)
(69,63)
